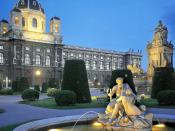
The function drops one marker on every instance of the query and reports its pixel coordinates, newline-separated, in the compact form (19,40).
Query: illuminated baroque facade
(160,50)
(26,47)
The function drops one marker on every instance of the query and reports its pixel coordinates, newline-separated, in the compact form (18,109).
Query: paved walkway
(18,113)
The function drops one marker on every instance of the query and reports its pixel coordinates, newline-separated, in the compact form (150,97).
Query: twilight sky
(107,24)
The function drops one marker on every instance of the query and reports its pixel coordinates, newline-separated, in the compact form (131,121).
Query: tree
(23,84)
(128,78)
(75,79)
(163,79)
(53,83)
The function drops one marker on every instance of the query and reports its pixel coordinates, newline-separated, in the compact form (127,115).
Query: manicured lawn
(50,103)
(8,128)
(149,102)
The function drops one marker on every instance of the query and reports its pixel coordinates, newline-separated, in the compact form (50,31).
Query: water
(91,127)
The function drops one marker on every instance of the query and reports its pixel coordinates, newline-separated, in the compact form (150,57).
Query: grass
(50,103)
(149,102)
(8,128)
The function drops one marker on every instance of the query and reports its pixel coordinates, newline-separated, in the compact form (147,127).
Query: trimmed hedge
(65,98)
(37,88)
(166,97)
(75,79)
(52,92)
(6,91)
(163,79)
(30,95)
(128,78)
(44,87)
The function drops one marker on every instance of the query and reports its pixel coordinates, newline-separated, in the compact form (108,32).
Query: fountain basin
(55,122)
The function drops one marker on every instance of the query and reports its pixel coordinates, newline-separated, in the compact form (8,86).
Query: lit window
(94,66)
(71,54)
(95,56)
(34,22)
(87,56)
(27,48)
(87,64)
(48,50)
(102,57)
(1,47)
(47,60)
(80,55)
(27,59)
(23,21)
(56,28)
(38,50)
(101,65)
(16,21)
(4,29)
(38,59)
(1,58)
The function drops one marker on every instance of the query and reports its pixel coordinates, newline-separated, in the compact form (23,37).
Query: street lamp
(38,73)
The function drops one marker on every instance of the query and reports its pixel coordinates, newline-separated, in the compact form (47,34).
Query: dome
(56,18)
(4,21)
(30,4)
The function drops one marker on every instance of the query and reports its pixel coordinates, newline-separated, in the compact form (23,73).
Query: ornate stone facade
(100,63)
(160,50)
(26,47)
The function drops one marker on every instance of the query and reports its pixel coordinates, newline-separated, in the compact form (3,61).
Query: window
(56,27)
(1,47)
(87,64)
(80,55)
(27,59)
(38,49)
(16,20)
(94,66)
(95,56)
(47,60)
(1,58)
(48,50)
(101,65)
(38,59)
(4,29)
(23,21)
(71,54)
(27,48)
(34,22)
(87,56)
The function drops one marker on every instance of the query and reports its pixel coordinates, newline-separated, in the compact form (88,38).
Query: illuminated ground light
(159,127)
(54,130)
(97,124)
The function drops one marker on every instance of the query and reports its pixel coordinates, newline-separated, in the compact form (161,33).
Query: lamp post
(7,81)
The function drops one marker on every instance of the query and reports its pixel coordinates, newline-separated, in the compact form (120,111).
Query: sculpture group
(122,112)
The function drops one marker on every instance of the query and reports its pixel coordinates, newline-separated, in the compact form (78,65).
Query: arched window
(27,59)
(16,20)
(23,21)
(56,27)
(34,22)
(47,60)
(38,59)
(4,29)
(1,58)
